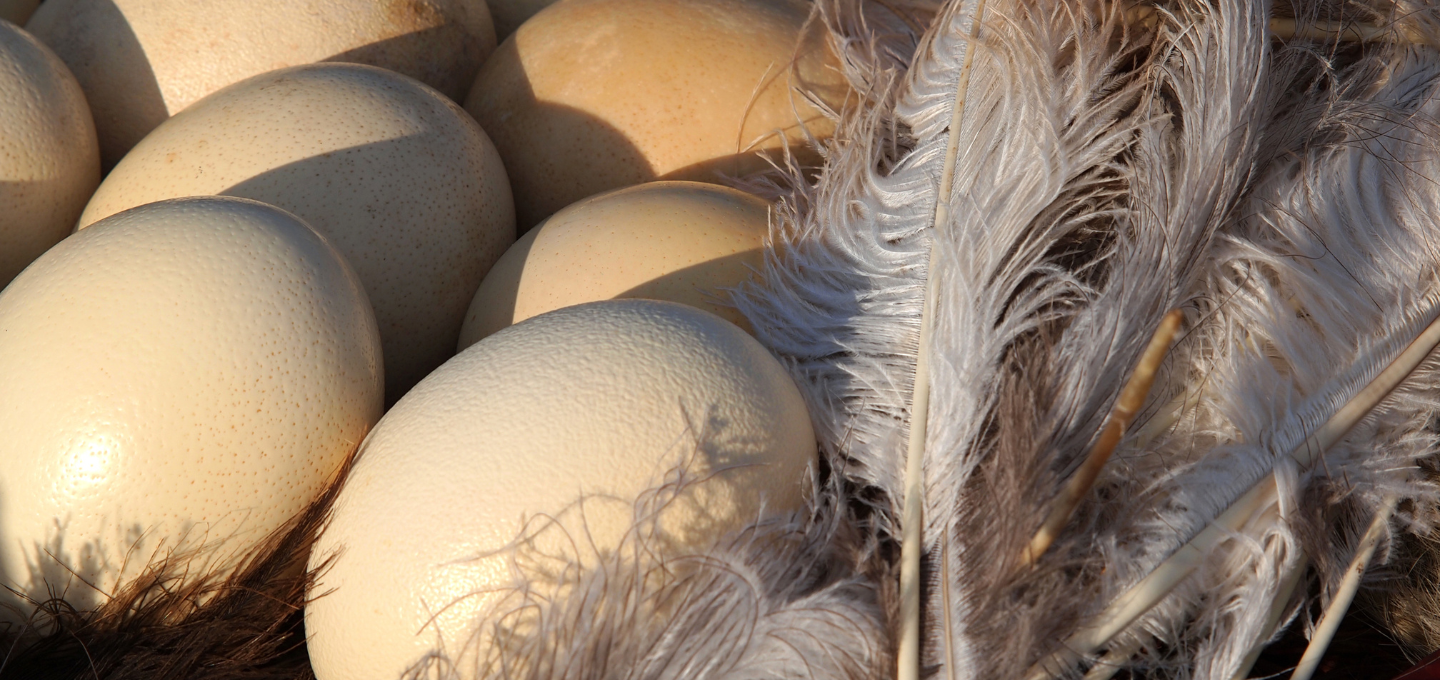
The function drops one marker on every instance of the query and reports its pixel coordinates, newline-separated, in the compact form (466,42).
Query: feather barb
(1160,582)
(1131,399)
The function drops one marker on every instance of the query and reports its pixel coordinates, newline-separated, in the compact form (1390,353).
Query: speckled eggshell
(592,95)
(590,402)
(49,161)
(398,177)
(685,242)
(143,60)
(187,373)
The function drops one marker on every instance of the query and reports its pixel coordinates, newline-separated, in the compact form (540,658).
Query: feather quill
(1330,621)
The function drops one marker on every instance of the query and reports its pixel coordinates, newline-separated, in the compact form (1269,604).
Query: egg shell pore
(49,158)
(396,176)
(140,61)
(683,242)
(596,400)
(189,372)
(593,95)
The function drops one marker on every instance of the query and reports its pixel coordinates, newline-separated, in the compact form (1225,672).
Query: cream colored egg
(592,95)
(684,242)
(404,184)
(17,11)
(592,403)
(143,60)
(49,163)
(186,373)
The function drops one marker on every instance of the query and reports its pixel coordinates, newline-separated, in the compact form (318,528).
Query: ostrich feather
(1091,165)
(1327,273)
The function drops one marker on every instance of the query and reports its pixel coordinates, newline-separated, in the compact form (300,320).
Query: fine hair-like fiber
(1280,193)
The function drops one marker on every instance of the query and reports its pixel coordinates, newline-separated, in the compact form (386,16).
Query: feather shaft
(908,656)
(1170,573)
(1131,399)
(1113,661)
(1330,620)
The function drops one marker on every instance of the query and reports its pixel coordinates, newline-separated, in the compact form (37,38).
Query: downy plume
(1325,275)
(1093,162)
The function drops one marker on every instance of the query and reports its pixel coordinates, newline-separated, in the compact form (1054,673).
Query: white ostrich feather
(1082,201)
(1093,164)
(1327,273)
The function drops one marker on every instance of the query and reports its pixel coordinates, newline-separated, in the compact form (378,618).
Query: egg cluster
(243,240)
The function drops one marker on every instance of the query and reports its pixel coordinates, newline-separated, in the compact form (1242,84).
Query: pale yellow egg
(49,161)
(141,61)
(398,177)
(592,95)
(684,242)
(559,425)
(189,373)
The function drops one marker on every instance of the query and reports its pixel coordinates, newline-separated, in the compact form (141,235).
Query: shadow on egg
(593,148)
(62,572)
(410,48)
(754,596)
(348,175)
(554,554)
(290,186)
(21,244)
(57,570)
(558,155)
(724,168)
(125,73)
(687,286)
(177,616)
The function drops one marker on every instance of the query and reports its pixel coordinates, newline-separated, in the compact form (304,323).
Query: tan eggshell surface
(592,95)
(190,371)
(398,177)
(684,242)
(143,60)
(590,401)
(49,161)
